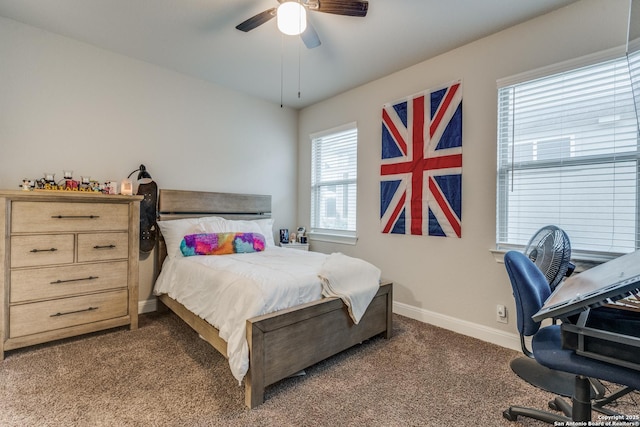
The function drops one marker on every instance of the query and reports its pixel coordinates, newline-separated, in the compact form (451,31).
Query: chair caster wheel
(509,415)
(552,405)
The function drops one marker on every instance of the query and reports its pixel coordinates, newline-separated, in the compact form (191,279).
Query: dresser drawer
(56,282)
(28,319)
(102,246)
(47,249)
(36,217)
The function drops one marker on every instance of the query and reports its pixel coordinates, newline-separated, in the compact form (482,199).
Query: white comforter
(272,280)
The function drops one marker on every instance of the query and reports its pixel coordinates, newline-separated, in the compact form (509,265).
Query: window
(334,181)
(568,156)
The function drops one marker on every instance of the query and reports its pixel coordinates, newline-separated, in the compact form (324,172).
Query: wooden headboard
(177,204)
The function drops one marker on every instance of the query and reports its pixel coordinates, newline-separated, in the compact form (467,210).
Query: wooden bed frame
(287,341)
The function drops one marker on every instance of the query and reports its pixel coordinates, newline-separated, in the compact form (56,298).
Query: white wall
(455,283)
(69,105)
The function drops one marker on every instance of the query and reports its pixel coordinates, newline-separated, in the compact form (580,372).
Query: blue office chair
(530,290)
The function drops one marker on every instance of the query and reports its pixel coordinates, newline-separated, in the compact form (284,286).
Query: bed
(283,342)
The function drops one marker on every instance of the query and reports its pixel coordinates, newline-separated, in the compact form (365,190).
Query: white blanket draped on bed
(352,279)
(226,290)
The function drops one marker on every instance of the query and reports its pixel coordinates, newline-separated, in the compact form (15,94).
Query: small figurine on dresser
(67,183)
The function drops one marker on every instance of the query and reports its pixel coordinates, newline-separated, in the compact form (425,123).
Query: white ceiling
(198,38)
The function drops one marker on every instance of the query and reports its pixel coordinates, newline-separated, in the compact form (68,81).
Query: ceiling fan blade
(257,20)
(342,7)
(310,37)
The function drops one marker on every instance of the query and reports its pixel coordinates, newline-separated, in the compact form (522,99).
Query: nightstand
(295,245)
(69,265)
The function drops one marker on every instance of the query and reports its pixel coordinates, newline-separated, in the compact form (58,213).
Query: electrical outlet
(501,313)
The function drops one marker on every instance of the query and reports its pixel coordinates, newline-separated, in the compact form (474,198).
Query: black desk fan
(550,251)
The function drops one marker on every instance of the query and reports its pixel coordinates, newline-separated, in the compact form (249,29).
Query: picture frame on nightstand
(284,235)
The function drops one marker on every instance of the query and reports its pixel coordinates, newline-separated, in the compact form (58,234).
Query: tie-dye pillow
(221,243)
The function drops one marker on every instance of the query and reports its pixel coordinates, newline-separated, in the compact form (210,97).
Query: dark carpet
(163,375)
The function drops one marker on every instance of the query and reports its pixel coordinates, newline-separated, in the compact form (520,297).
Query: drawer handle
(43,250)
(75,216)
(73,312)
(104,247)
(73,280)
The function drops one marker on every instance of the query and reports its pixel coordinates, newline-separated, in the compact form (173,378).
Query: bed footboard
(285,342)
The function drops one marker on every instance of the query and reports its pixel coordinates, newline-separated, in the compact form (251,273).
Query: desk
(610,336)
(611,281)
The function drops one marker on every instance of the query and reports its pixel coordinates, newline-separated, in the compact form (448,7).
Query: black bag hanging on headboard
(148,205)
(148,226)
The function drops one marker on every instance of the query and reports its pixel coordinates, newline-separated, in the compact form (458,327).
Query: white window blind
(333,181)
(568,156)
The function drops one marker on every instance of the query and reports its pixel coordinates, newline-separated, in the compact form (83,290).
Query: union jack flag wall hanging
(421,167)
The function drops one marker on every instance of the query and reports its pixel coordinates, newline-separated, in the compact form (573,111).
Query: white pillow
(173,231)
(262,226)
(267,230)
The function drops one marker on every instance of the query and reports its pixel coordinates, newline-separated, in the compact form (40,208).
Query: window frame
(332,235)
(594,256)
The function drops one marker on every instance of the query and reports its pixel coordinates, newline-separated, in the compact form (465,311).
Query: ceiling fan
(309,36)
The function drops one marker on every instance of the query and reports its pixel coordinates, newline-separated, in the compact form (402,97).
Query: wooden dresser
(68,265)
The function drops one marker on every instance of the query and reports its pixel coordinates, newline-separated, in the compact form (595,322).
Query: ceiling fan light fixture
(292,18)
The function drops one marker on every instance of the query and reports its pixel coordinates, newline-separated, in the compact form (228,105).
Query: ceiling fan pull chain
(281,66)
(299,73)
(299,63)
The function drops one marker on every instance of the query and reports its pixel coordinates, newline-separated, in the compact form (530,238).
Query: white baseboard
(484,333)
(147,306)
